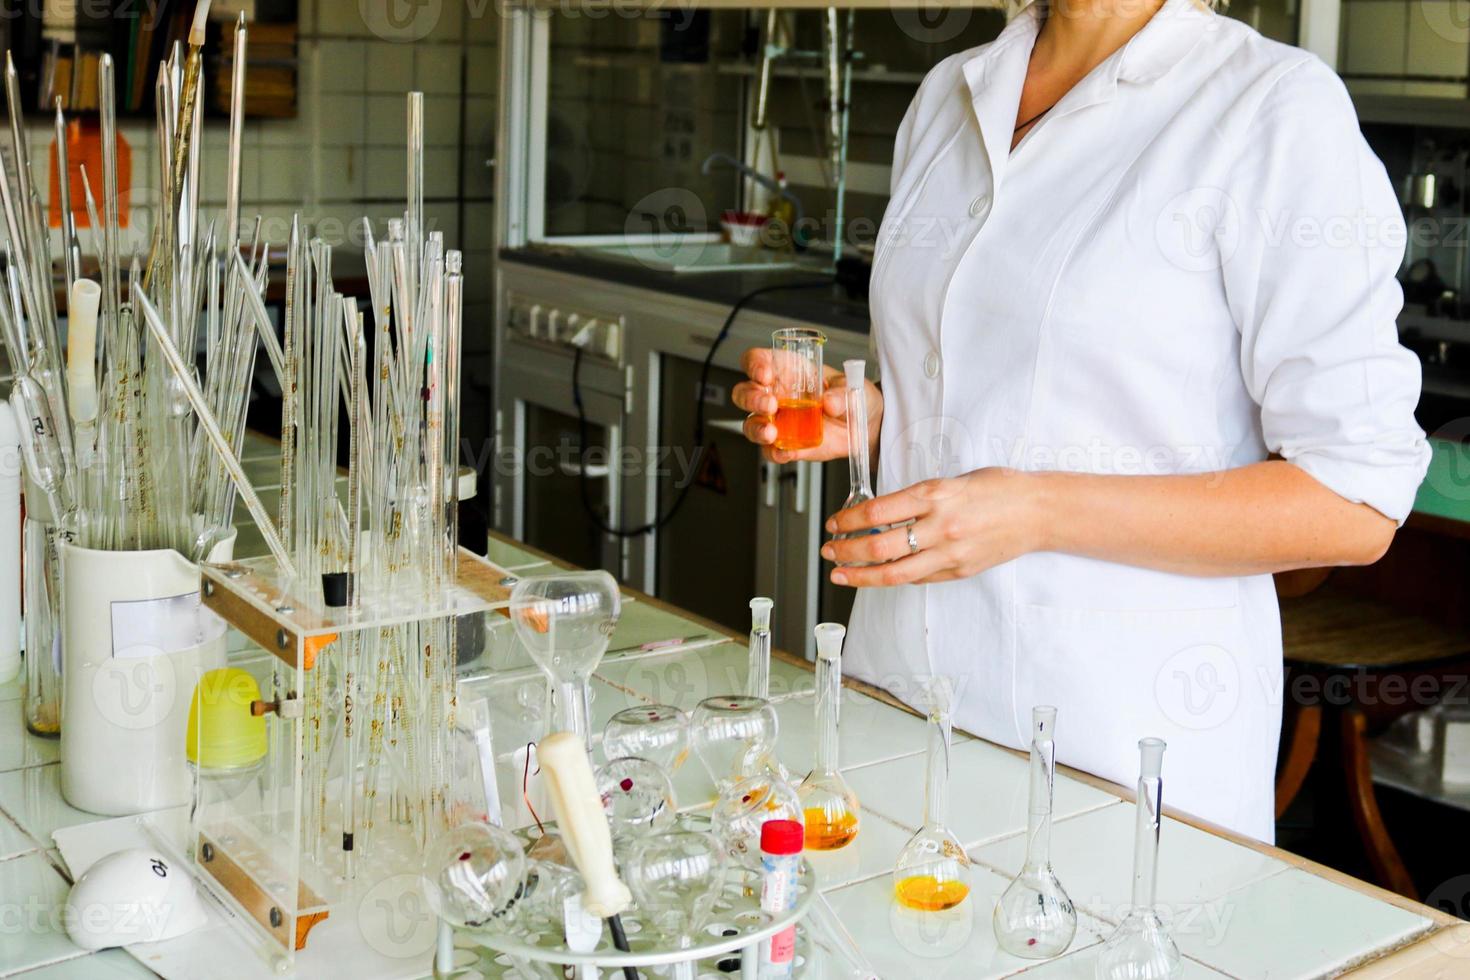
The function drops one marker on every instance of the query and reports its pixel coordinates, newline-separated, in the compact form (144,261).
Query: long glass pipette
(217,439)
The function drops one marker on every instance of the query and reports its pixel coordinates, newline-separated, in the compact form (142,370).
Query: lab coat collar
(1161,44)
(996,75)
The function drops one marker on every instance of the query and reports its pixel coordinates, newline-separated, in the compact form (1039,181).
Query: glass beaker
(1034,918)
(565,622)
(932,873)
(799,385)
(829,806)
(41,580)
(1141,948)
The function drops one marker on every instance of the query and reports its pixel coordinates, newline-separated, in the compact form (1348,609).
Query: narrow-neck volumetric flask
(1140,948)
(829,806)
(860,482)
(932,873)
(1035,918)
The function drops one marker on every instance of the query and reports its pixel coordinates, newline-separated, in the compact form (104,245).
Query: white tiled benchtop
(1238,910)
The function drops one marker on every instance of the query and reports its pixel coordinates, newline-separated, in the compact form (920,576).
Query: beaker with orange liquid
(932,873)
(829,806)
(799,385)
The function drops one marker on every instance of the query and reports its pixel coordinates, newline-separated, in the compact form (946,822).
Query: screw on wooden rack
(207,851)
(282,640)
(208,589)
(275,917)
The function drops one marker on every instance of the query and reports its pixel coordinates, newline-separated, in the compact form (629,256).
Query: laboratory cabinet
(703,529)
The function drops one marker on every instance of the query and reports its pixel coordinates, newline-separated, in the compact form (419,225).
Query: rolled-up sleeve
(1312,246)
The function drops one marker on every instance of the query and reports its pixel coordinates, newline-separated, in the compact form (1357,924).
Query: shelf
(1413,110)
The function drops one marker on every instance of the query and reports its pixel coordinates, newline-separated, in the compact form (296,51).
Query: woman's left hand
(961,526)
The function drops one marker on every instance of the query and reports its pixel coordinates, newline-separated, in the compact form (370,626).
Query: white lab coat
(1187,264)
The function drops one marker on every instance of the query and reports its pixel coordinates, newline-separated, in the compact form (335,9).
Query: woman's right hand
(758,397)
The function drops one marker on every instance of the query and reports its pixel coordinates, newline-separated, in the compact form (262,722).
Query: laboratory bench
(1239,909)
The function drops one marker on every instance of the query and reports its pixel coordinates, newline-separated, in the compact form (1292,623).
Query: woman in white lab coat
(1134,308)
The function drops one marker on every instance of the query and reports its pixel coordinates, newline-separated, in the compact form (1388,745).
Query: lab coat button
(978,206)
(931,364)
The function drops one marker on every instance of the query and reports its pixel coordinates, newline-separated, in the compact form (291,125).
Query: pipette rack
(256,597)
(735,931)
(273,846)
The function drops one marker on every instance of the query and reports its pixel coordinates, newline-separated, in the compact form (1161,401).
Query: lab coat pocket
(1187,675)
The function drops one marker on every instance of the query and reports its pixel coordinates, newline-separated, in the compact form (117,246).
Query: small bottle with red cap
(781,845)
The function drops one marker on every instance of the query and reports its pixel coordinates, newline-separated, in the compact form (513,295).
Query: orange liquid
(926,893)
(798,423)
(826,834)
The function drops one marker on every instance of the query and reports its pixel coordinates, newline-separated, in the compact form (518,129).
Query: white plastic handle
(81,349)
(582,821)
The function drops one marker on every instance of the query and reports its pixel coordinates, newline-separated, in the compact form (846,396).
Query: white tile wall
(343,156)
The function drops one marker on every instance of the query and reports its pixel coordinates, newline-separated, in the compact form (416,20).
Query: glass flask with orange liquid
(1034,918)
(829,807)
(932,873)
(799,384)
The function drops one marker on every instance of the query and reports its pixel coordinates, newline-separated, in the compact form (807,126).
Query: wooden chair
(1351,667)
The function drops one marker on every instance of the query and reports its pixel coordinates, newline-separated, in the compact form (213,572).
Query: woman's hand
(1263,517)
(962,526)
(758,397)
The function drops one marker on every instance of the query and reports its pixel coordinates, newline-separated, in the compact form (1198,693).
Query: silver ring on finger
(913,541)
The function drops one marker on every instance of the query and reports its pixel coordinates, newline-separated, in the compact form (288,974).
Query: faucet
(755,175)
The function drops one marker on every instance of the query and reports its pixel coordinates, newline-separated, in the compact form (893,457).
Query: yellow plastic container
(223,732)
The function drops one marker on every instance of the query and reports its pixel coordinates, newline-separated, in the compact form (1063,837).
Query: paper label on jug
(154,627)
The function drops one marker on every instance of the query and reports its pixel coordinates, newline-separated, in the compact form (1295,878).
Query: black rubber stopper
(335,586)
(729,964)
(469,637)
